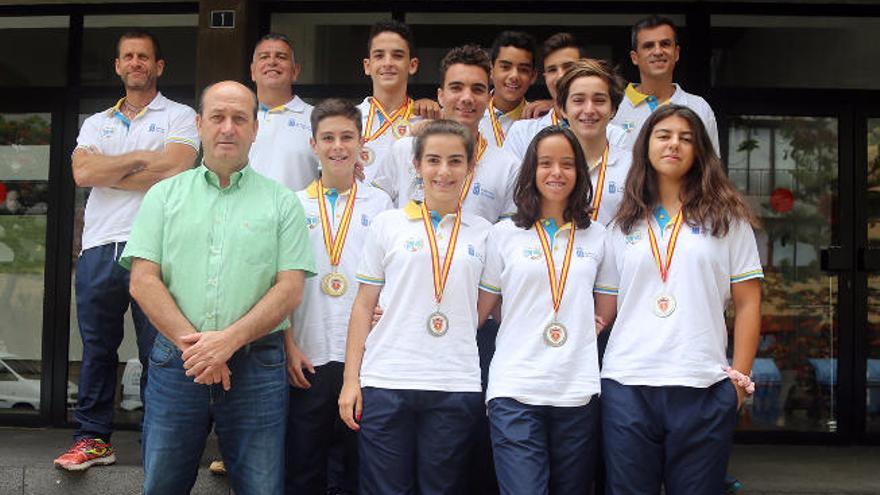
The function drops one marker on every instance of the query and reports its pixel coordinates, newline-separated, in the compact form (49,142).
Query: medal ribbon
(482,144)
(440,274)
(557,286)
(331,244)
(670,247)
(554,119)
(600,184)
(404,111)
(496,124)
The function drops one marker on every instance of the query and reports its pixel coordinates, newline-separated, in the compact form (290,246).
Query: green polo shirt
(219,249)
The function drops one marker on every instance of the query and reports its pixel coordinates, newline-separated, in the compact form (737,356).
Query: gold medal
(368,156)
(664,305)
(334,284)
(438,324)
(400,128)
(555,334)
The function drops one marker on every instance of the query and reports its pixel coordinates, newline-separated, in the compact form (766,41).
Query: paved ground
(26,468)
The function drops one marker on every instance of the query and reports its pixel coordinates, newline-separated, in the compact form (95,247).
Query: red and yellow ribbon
(404,111)
(554,119)
(496,124)
(600,184)
(482,144)
(331,244)
(440,274)
(670,247)
(557,286)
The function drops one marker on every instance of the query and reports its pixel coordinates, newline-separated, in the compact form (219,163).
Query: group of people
(433,275)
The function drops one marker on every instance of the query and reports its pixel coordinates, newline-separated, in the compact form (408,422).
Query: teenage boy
(281,150)
(559,53)
(655,51)
(339,211)
(513,72)
(463,97)
(389,113)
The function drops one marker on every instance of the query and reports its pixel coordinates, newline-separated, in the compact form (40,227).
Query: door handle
(869,259)
(835,259)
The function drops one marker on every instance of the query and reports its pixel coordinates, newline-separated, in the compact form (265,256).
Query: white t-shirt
(400,352)
(381,145)
(688,347)
(523,131)
(491,191)
(505,120)
(320,323)
(636,108)
(524,367)
(281,150)
(110,212)
(619,161)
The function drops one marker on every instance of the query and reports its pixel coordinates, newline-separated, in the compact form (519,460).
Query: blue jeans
(416,441)
(102,299)
(679,437)
(249,420)
(544,449)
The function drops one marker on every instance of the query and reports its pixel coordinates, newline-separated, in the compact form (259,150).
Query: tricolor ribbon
(557,285)
(496,124)
(670,247)
(404,111)
(331,244)
(482,144)
(440,274)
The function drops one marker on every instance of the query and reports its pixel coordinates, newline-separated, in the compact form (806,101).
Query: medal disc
(664,305)
(555,334)
(334,284)
(368,156)
(400,128)
(438,324)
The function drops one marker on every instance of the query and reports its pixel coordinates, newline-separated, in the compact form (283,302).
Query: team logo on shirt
(472,251)
(311,221)
(532,253)
(365,220)
(413,244)
(479,190)
(634,237)
(613,188)
(699,230)
(629,125)
(107,131)
(291,122)
(155,128)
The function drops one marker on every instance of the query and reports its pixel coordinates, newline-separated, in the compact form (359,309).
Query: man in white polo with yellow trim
(281,151)
(120,153)
(655,51)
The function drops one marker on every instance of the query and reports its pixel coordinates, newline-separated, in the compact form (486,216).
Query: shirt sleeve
(294,250)
(386,173)
(88,133)
(145,240)
(183,128)
(712,129)
(608,277)
(745,264)
(371,269)
(509,208)
(513,143)
(490,281)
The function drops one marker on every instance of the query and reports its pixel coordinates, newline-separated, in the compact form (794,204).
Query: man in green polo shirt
(218,256)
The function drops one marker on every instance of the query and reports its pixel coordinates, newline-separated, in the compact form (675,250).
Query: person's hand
(359,171)
(600,324)
(350,404)
(426,108)
(535,109)
(296,362)
(206,357)
(377,315)
(743,383)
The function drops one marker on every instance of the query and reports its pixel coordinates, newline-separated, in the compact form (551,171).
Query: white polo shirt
(524,367)
(491,191)
(381,145)
(110,212)
(637,107)
(619,161)
(687,348)
(505,121)
(281,150)
(523,131)
(320,323)
(400,353)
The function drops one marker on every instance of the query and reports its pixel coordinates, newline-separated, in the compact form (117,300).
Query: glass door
(869,262)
